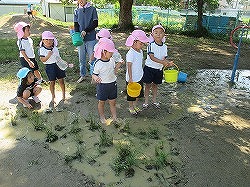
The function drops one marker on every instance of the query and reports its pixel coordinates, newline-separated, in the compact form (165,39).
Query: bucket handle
(172,66)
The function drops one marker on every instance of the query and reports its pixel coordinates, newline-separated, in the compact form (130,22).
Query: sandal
(132,111)
(137,109)
(145,105)
(157,105)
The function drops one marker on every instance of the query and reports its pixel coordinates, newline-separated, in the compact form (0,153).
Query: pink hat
(49,35)
(104,44)
(19,29)
(103,33)
(156,27)
(137,35)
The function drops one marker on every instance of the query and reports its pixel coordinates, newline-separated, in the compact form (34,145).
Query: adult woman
(85,21)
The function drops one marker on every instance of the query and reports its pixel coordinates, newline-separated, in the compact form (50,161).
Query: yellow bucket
(171,75)
(134,89)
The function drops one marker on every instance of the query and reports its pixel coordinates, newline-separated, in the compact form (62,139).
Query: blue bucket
(77,39)
(182,77)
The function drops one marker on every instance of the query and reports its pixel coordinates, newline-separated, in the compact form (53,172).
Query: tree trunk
(200,14)
(125,16)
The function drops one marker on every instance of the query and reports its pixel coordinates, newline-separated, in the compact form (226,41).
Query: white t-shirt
(136,59)
(26,44)
(105,70)
(43,52)
(159,51)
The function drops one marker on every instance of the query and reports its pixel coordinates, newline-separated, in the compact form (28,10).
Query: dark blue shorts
(24,63)
(141,93)
(54,72)
(151,75)
(106,91)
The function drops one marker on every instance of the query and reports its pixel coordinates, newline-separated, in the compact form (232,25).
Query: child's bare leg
(26,94)
(37,90)
(37,74)
(146,94)
(101,111)
(131,105)
(52,90)
(112,105)
(154,89)
(62,85)
(136,102)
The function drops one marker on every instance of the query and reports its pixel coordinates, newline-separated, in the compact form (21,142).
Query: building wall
(19,9)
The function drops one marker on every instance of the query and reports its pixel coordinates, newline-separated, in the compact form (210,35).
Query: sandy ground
(212,135)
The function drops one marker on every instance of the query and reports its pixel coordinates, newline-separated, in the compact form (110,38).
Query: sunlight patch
(236,121)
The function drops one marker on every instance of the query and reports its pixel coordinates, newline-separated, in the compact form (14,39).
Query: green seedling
(125,160)
(105,139)
(51,137)
(13,120)
(154,133)
(37,121)
(161,157)
(93,125)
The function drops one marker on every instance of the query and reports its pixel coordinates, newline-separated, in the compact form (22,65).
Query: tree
(125,15)
(202,6)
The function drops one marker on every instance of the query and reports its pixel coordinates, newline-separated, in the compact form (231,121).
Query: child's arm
(21,100)
(129,66)
(164,62)
(31,64)
(118,65)
(44,59)
(96,78)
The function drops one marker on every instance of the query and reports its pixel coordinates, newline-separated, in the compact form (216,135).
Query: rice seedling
(51,136)
(13,120)
(37,121)
(93,124)
(105,140)
(125,160)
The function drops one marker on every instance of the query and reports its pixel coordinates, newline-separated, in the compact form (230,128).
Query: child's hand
(28,105)
(31,64)
(168,63)
(97,79)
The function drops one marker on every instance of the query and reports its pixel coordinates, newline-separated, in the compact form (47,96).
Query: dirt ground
(208,121)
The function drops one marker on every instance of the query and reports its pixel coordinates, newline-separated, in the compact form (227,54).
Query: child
(25,45)
(104,76)
(156,60)
(28,87)
(134,71)
(104,33)
(49,54)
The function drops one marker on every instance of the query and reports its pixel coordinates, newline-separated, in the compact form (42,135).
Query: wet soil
(204,123)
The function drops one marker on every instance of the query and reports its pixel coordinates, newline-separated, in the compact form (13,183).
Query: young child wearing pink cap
(156,60)
(104,76)
(25,45)
(134,71)
(104,33)
(49,55)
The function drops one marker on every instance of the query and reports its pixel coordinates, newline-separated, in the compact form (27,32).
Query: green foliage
(208,5)
(37,121)
(126,158)
(9,50)
(163,4)
(161,157)
(106,140)
(66,2)
(93,125)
